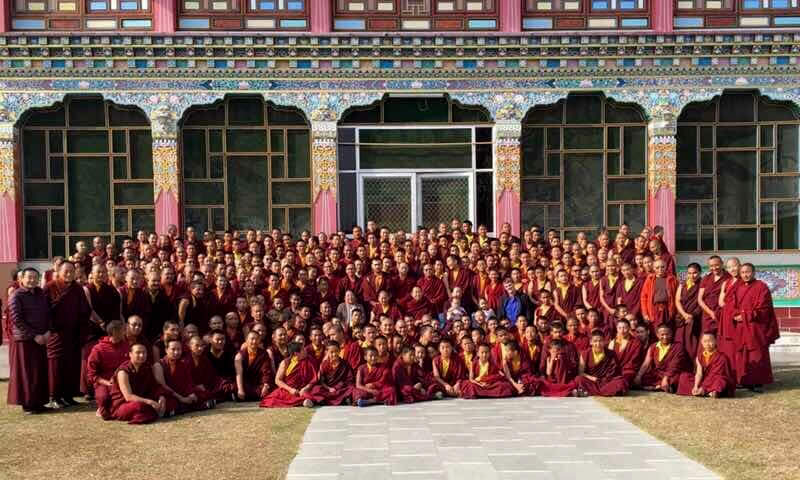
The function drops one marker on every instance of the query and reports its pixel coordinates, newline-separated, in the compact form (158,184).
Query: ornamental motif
(165,166)
(323,156)
(661,164)
(7,185)
(507,157)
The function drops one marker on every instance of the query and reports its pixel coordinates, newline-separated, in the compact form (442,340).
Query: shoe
(756,389)
(361,403)
(308,403)
(54,404)
(439,395)
(347,402)
(69,401)
(582,393)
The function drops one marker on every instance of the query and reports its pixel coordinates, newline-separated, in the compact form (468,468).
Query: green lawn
(234,441)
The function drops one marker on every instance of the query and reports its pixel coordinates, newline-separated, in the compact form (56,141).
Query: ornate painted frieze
(507,154)
(323,152)
(7,179)
(661,163)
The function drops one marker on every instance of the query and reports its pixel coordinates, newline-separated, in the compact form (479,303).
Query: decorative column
(321,16)
(165,14)
(510,16)
(507,160)
(164,128)
(661,176)
(9,233)
(5,15)
(323,165)
(661,16)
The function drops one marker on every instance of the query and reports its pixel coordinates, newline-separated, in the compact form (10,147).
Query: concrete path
(516,438)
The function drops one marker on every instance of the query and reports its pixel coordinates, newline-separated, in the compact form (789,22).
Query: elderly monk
(30,319)
(253,370)
(658,297)
(663,365)
(71,312)
(712,377)
(136,397)
(433,288)
(105,358)
(708,295)
(295,380)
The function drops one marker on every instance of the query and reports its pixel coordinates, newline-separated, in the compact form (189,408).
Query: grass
(232,441)
(753,436)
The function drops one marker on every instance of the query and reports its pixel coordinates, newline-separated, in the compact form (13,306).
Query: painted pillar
(321,16)
(5,15)
(661,176)
(661,16)
(166,176)
(507,160)
(9,232)
(165,13)
(324,168)
(510,16)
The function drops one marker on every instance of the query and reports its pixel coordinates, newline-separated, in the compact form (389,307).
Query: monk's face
(408,357)
(483,353)
(316,337)
(174,350)
(746,272)
(665,336)
(138,355)
(382,346)
(216,323)
(732,267)
(555,352)
(134,326)
(371,357)
(218,341)
(419,354)
(66,272)
(445,349)
(643,334)
(332,353)
(572,326)
(280,336)
(709,343)
(660,268)
(556,333)
(623,329)
(190,331)
(598,343)
(252,341)
(715,266)
(693,274)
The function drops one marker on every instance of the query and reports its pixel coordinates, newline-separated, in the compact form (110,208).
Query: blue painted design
(349,24)
(292,23)
(688,22)
(98,6)
(294,5)
(634,22)
(786,21)
(27,24)
(482,24)
(537,23)
(194,23)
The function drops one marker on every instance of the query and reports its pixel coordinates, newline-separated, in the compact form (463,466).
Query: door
(443,197)
(387,200)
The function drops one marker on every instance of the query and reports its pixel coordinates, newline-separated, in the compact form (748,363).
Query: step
(788,339)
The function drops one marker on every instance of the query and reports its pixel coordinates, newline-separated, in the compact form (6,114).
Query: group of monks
(171,324)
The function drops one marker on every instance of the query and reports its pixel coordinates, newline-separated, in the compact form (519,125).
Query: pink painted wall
(325,212)
(508,211)
(510,16)
(661,211)
(164,16)
(321,16)
(167,211)
(662,15)
(5,16)
(9,239)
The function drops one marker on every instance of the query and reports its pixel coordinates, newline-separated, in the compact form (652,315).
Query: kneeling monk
(373,382)
(599,374)
(136,397)
(713,375)
(295,379)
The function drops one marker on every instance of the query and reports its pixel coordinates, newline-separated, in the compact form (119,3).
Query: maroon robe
(405,378)
(757,330)
(341,379)
(162,308)
(198,312)
(29,315)
(178,377)
(143,384)
(632,299)
(347,283)
(717,376)
(726,328)
(671,366)
(351,353)
(568,300)
(382,378)
(523,373)
(105,302)
(456,372)
(493,385)
(610,381)
(256,374)
(418,308)
(400,288)
(629,360)
(301,375)
(493,293)
(688,333)
(316,356)
(104,359)
(71,313)
(136,301)
(434,290)
(204,373)
(464,282)
(711,291)
(593,295)
(609,294)
(560,382)
(551,315)
(581,341)
(393,312)
(371,285)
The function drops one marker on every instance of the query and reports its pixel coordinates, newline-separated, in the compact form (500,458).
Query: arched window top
(744,106)
(585,109)
(424,109)
(243,110)
(85,111)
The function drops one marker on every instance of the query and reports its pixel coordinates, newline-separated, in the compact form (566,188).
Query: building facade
(126,115)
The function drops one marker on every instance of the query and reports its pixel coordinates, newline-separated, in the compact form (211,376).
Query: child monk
(253,369)
(385,357)
(664,363)
(373,382)
(295,378)
(485,378)
(136,397)
(517,369)
(713,375)
(316,346)
(599,373)
(408,378)
(531,347)
(336,378)
(575,336)
(174,374)
(628,350)
(560,370)
(448,370)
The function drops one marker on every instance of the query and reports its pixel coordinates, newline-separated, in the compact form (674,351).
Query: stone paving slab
(485,440)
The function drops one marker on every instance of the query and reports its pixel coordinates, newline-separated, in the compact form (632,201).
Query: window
(243,15)
(70,15)
(388,15)
(738,175)
(87,171)
(583,165)
(585,14)
(246,164)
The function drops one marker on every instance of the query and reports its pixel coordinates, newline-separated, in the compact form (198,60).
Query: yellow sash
(292,364)
(445,366)
(662,350)
(598,357)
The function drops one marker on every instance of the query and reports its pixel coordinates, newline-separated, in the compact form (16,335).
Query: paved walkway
(554,439)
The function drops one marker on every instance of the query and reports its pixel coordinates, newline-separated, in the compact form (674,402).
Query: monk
(608,289)
(105,303)
(205,375)
(486,380)
(713,376)
(29,321)
(295,380)
(688,321)
(726,311)
(136,397)
(546,310)
(566,294)
(316,347)
(709,290)
(628,351)
(560,371)
(448,371)
(664,363)
(433,288)
(373,382)
(629,290)
(756,328)
(574,335)
(349,350)
(599,373)
(253,370)
(104,360)
(71,312)
(221,356)
(408,378)
(336,378)
(174,374)
(417,305)
(517,370)
(658,297)
(590,291)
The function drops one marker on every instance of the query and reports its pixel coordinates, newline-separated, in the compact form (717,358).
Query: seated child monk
(575,336)
(517,369)
(531,348)
(486,380)
(664,363)
(295,379)
(468,352)
(628,351)
(385,357)
(136,397)
(174,374)
(205,375)
(408,378)
(713,375)
(316,346)
(336,378)
(599,373)
(253,370)
(560,370)
(373,382)
(448,370)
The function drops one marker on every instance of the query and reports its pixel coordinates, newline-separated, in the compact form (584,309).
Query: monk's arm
(127,392)
(643,369)
(182,307)
(722,295)
(583,296)
(678,305)
(698,375)
(703,305)
(279,377)
(237,363)
(582,369)
(605,305)
(558,308)
(158,373)
(437,376)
